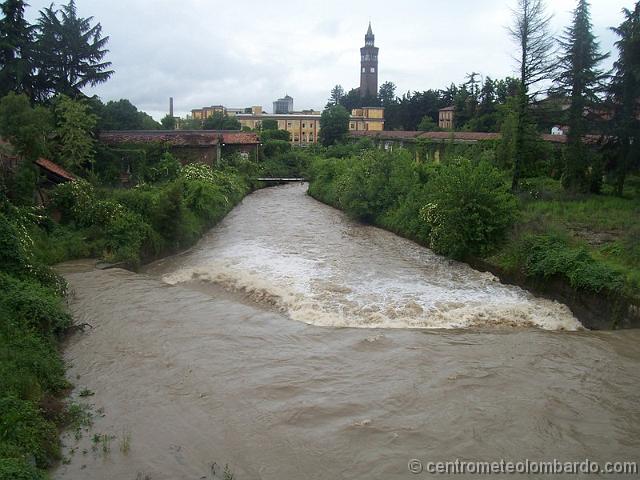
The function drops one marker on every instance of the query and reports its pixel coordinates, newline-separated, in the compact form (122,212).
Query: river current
(236,352)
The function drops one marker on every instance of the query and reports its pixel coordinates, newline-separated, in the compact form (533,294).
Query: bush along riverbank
(32,382)
(124,226)
(581,250)
(133,226)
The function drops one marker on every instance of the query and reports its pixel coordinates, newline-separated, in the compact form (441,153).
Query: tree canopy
(334,124)
(71,51)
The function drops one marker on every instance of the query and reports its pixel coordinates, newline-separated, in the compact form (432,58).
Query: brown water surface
(235,352)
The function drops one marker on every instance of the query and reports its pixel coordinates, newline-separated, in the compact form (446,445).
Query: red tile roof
(390,134)
(460,136)
(465,136)
(54,168)
(240,138)
(185,138)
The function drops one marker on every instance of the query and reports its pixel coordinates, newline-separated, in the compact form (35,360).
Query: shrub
(124,234)
(469,209)
(29,364)
(167,168)
(23,432)
(74,201)
(15,469)
(273,148)
(547,255)
(16,248)
(33,305)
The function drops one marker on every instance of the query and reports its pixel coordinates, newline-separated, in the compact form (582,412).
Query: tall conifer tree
(530,30)
(16,49)
(580,79)
(625,95)
(71,51)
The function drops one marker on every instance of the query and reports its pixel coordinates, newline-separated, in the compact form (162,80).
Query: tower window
(373,70)
(363,69)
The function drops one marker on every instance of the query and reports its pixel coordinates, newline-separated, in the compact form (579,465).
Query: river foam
(282,248)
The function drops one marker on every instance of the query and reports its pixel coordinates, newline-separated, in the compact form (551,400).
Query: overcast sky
(250,52)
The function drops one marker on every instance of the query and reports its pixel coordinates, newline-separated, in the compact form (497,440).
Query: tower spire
(369,37)
(369,65)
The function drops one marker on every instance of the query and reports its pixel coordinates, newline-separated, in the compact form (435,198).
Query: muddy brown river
(293,343)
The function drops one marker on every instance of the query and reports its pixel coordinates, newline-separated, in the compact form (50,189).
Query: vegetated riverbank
(580,250)
(128,226)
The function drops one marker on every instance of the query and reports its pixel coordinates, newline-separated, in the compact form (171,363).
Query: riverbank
(137,225)
(575,249)
(126,227)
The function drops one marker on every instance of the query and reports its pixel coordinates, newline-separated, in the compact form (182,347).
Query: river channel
(293,343)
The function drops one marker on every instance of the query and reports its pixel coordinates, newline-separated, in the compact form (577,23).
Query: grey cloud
(205,52)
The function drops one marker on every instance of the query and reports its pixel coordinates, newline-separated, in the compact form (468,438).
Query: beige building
(445,117)
(367,118)
(206,112)
(305,126)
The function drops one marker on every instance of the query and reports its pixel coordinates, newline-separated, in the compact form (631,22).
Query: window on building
(373,69)
(363,69)
(352,126)
(288,124)
(304,125)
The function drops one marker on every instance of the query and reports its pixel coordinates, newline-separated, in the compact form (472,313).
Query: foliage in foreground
(32,319)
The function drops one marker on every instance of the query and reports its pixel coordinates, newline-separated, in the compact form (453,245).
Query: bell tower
(369,66)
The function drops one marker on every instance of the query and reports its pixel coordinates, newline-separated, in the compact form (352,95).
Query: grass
(125,441)
(601,230)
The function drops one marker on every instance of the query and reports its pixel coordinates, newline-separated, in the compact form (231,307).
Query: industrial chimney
(171,107)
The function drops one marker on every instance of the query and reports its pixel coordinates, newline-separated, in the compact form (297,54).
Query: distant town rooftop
(180,137)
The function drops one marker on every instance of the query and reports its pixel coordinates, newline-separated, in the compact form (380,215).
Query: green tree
(269,124)
(334,125)
(71,52)
(168,122)
(267,135)
(337,93)
(120,115)
(530,31)
(75,124)
(427,124)
(27,128)
(352,99)
(16,50)
(579,79)
(387,94)
(625,95)
(220,121)
(147,122)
